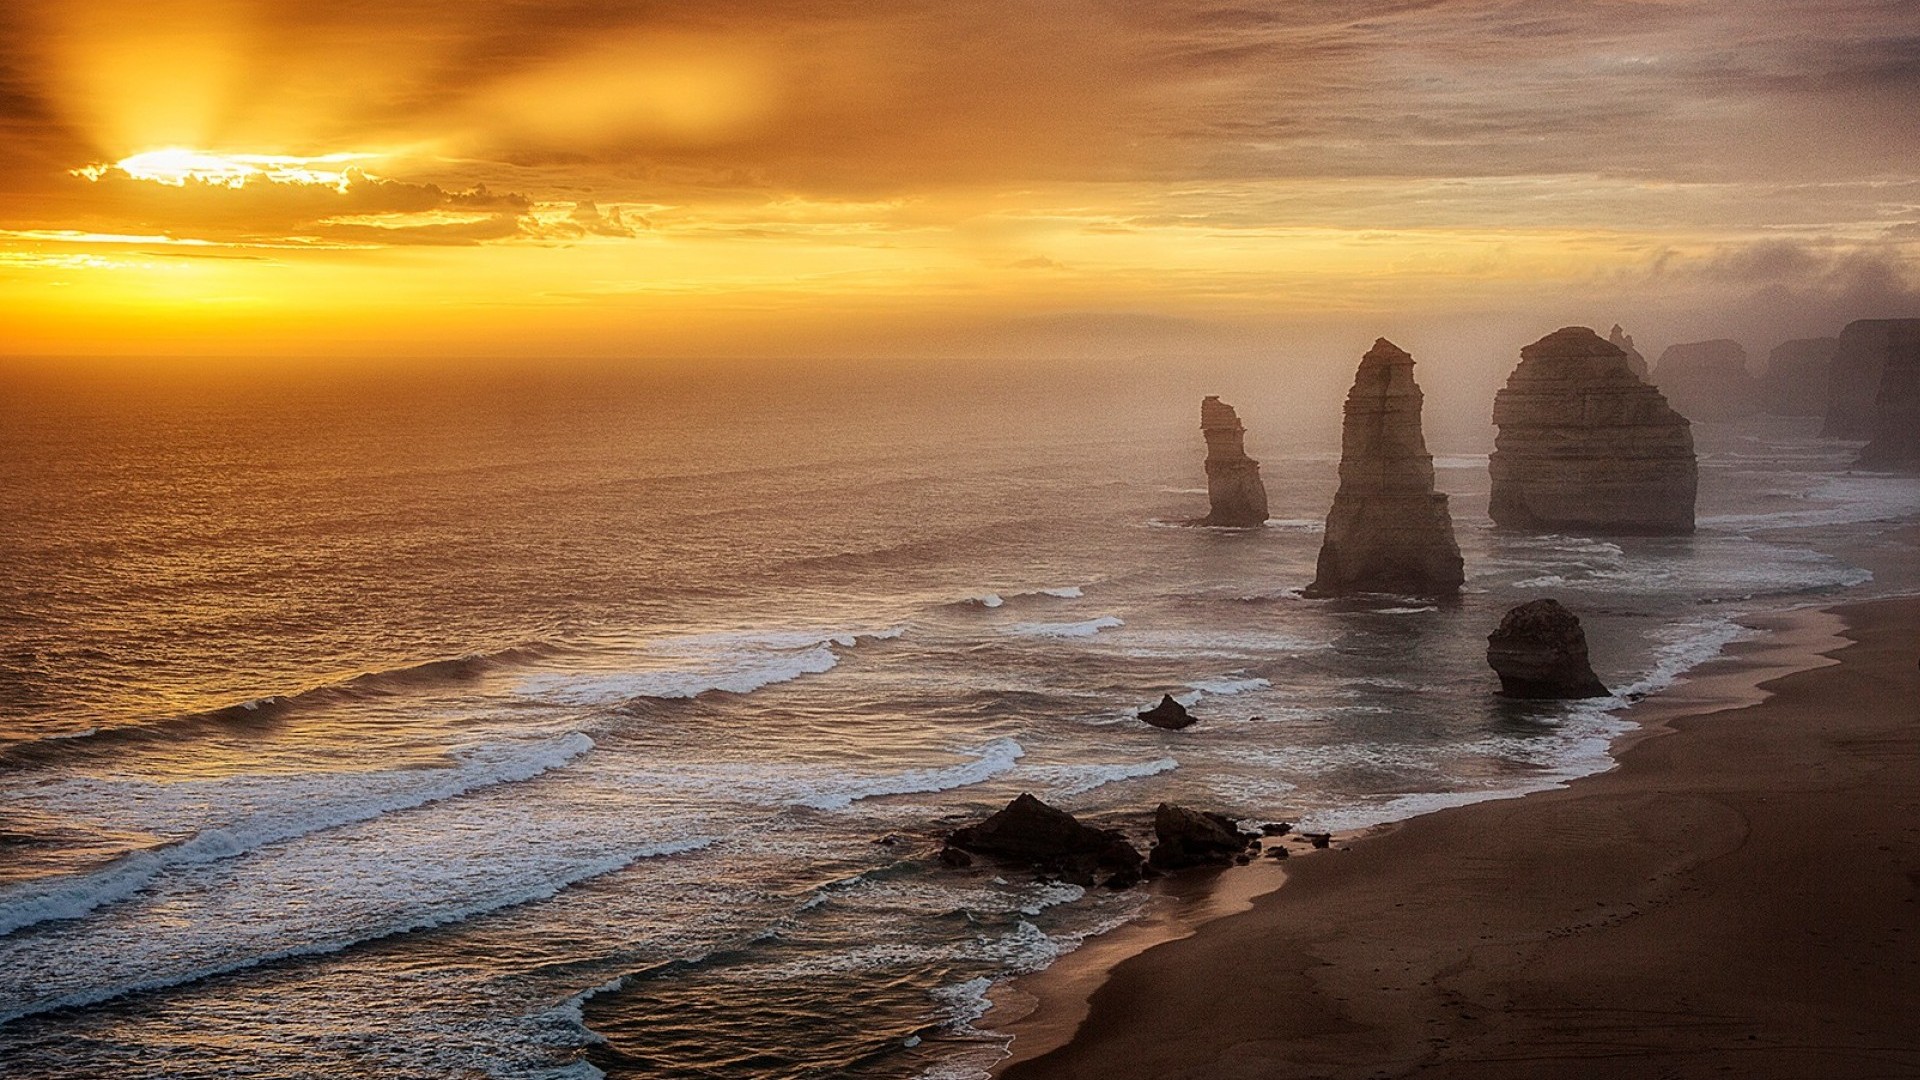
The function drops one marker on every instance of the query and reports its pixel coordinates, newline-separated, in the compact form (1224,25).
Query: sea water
(558,726)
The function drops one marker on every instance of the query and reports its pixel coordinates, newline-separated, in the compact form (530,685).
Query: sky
(946,177)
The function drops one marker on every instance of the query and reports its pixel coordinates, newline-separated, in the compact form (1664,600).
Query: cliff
(1585,445)
(1855,383)
(1708,380)
(1896,419)
(1388,531)
(1795,383)
(1235,495)
(1623,341)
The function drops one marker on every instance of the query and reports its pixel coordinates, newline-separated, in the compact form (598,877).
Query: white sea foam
(302,805)
(426,920)
(1065,781)
(1227,685)
(988,761)
(1087,628)
(1312,525)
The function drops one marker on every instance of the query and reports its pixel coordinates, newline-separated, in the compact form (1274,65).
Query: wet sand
(1737,898)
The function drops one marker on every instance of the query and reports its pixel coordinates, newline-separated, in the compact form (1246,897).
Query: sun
(176,166)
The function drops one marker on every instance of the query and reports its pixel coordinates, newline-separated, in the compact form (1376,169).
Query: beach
(1736,897)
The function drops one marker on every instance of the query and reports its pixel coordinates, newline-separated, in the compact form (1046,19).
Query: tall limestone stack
(1586,446)
(1855,383)
(1708,380)
(1896,420)
(1623,341)
(1796,380)
(1236,497)
(1389,531)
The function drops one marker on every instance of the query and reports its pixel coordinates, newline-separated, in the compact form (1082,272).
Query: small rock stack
(1236,498)
(1623,341)
(1585,445)
(1388,531)
(1540,652)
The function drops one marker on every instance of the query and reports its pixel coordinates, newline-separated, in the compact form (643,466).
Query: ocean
(567,724)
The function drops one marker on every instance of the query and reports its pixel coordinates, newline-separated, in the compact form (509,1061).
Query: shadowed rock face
(1796,380)
(1623,341)
(1854,387)
(1388,531)
(1896,421)
(1585,445)
(1540,652)
(1052,841)
(1708,380)
(1169,714)
(1235,495)
(1186,838)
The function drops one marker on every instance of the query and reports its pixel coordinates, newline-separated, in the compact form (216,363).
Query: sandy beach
(1736,898)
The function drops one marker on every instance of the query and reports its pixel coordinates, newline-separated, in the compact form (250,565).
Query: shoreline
(1060,1019)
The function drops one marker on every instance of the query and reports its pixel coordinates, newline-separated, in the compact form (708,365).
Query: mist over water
(529,725)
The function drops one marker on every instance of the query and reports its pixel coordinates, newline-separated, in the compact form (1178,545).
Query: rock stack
(1708,380)
(1539,651)
(1855,383)
(1623,341)
(1389,531)
(1796,380)
(1586,446)
(1896,419)
(1236,498)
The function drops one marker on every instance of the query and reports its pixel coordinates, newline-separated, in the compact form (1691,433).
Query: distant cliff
(1855,383)
(1795,382)
(1708,380)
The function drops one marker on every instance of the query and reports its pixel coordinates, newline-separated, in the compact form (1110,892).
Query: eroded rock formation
(1388,531)
(1896,420)
(1708,380)
(1029,832)
(1795,383)
(1236,498)
(1623,341)
(1855,384)
(1539,651)
(1169,714)
(1186,838)
(1586,446)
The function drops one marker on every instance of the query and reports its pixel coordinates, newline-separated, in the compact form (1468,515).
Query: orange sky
(817,177)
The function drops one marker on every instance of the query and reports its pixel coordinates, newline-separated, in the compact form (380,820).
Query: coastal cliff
(1795,383)
(1388,531)
(1586,445)
(1855,383)
(1896,419)
(1708,380)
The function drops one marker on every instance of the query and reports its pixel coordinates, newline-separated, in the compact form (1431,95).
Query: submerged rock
(1584,445)
(1795,382)
(1169,714)
(1236,498)
(1708,380)
(1388,531)
(1854,385)
(1624,342)
(1184,838)
(1029,832)
(1540,652)
(1896,419)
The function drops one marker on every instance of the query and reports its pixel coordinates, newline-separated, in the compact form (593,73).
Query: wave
(1088,628)
(263,710)
(686,667)
(72,896)
(996,599)
(989,761)
(1227,686)
(1065,781)
(545,891)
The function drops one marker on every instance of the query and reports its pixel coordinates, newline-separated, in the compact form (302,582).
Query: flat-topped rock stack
(1584,445)
(1854,387)
(1708,380)
(1388,531)
(1623,341)
(1236,498)
(1795,382)
(1896,419)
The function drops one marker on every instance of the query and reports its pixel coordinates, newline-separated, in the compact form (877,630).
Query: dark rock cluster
(1539,651)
